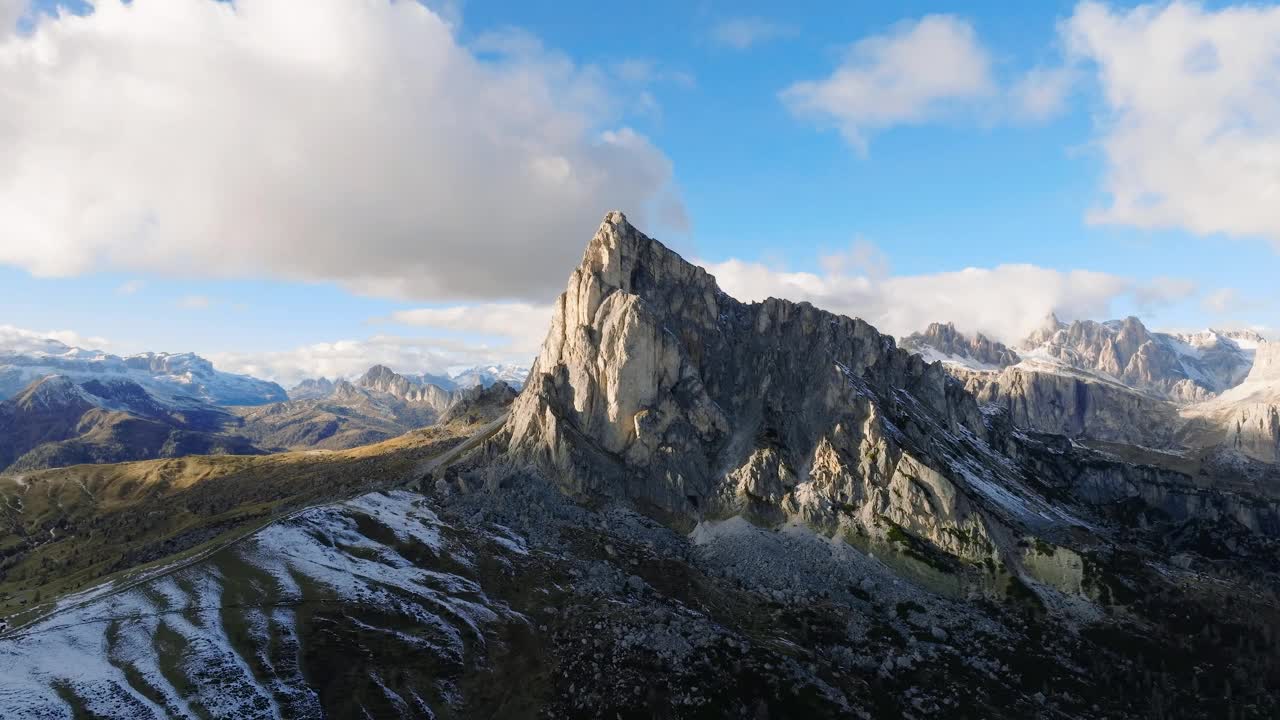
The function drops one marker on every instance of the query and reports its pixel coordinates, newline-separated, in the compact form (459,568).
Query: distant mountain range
(62,405)
(406,385)
(1213,391)
(168,377)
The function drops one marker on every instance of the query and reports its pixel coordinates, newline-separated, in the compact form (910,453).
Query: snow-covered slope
(255,629)
(486,375)
(1184,368)
(1118,381)
(942,342)
(170,378)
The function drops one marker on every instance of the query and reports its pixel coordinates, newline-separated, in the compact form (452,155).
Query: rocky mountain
(696,507)
(655,386)
(1181,368)
(55,421)
(382,379)
(311,388)
(419,387)
(1117,381)
(379,405)
(168,377)
(348,416)
(942,342)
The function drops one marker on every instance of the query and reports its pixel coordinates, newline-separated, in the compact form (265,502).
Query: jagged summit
(942,341)
(381,378)
(656,386)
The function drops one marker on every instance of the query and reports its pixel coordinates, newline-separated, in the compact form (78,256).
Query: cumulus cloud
(909,75)
(1190,130)
(318,140)
(743,32)
(1006,302)
(522,325)
(350,358)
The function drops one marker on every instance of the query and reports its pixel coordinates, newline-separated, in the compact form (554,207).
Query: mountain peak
(943,342)
(655,386)
(52,392)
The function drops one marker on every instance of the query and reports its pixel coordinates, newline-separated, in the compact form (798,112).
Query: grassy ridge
(66,528)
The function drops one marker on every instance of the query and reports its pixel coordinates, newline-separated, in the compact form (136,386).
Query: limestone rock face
(1076,406)
(1246,418)
(656,386)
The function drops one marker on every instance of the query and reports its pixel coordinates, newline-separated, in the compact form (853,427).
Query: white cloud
(350,358)
(1191,128)
(20,340)
(130,287)
(1221,301)
(522,325)
(1042,92)
(744,32)
(1005,302)
(1163,291)
(194,302)
(319,140)
(909,75)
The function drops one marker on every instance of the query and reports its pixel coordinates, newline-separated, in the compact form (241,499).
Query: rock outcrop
(656,386)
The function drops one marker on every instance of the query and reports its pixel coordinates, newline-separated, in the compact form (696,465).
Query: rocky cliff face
(1246,418)
(655,386)
(1074,405)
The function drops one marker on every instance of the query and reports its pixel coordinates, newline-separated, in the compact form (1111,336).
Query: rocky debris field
(736,620)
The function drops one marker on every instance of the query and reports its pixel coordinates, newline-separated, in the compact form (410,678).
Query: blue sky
(963,178)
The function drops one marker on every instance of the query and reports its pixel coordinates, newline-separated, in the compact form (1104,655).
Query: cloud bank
(314,140)
(1005,302)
